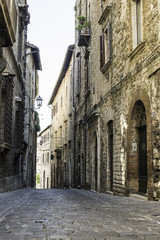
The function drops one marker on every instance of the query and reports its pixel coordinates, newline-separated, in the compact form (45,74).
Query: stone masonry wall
(132,75)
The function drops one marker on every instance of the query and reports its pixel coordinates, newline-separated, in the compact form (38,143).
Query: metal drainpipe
(85,142)
(74,131)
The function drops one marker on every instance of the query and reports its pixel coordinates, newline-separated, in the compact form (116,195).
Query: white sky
(51,29)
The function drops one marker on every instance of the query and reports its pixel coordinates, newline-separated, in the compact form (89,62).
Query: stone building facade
(43,163)
(33,65)
(61,130)
(116,89)
(14,20)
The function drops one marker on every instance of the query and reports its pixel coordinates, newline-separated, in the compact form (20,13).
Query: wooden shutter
(102,51)
(109,41)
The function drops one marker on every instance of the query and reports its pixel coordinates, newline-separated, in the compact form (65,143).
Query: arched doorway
(110,152)
(137,155)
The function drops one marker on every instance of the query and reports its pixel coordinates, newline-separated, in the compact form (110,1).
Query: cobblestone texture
(76,214)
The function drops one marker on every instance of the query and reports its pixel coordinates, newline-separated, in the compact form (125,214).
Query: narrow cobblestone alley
(76,214)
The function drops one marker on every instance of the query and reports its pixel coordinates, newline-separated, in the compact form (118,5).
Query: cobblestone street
(76,214)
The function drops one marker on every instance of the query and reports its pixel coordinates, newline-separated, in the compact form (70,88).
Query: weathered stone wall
(12,151)
(43,164)
(62,131)
(131,75)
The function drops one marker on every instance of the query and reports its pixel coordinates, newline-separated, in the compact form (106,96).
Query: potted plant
(84,24)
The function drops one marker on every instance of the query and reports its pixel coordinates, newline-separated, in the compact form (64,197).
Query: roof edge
(63,71)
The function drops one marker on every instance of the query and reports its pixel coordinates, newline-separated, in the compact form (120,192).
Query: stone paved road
(56,214)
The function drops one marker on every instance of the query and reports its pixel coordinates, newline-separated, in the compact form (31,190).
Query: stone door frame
(139,95)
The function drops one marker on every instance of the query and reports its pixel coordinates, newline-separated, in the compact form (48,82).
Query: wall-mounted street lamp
(39,101)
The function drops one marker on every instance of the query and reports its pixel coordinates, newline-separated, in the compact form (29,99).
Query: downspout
(74,127)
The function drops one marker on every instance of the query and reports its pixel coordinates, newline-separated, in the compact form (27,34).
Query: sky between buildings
(51,28)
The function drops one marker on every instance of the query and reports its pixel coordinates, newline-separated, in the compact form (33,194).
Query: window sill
(105,68)
(137,50)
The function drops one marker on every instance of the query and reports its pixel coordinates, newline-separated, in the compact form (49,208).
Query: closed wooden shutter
(109,40)
(102,51)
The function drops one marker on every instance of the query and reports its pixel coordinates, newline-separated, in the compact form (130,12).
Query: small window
(48,157)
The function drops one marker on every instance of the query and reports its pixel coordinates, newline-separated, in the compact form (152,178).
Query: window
(136,22)
(47,156)
(108,43)
(105,46)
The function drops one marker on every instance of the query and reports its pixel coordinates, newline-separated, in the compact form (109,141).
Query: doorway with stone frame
(137,175)
(110,153)
(94,162)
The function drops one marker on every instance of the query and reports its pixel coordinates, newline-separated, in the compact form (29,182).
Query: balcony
(8,23)
(84,37)
(84,31)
